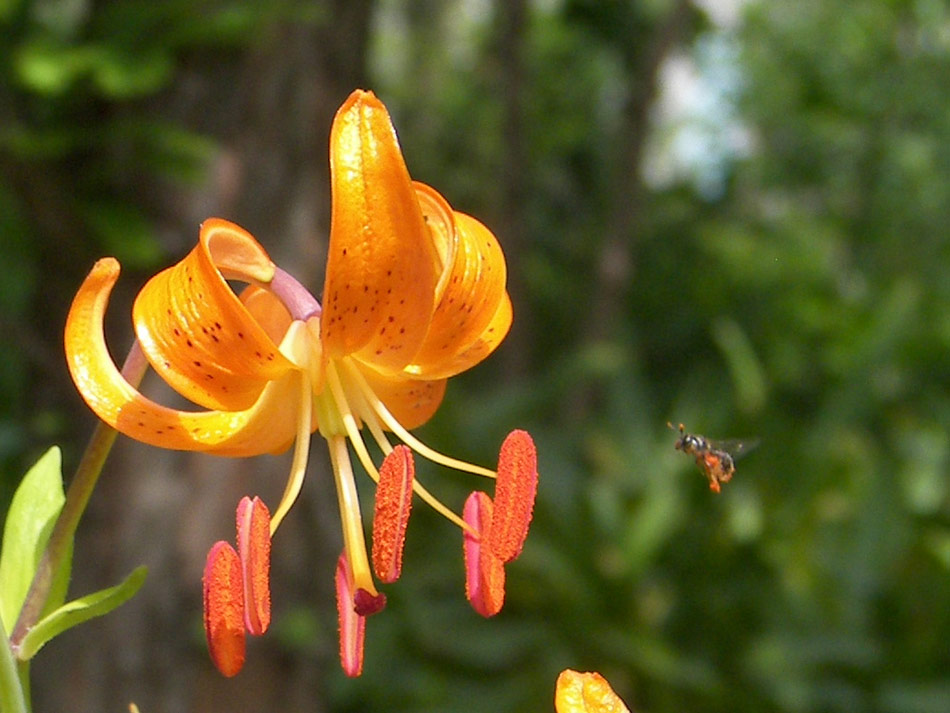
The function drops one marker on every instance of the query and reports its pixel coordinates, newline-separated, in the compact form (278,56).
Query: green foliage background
(793,287)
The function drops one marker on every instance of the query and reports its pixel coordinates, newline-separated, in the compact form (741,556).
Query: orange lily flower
(586,693)
(414,294)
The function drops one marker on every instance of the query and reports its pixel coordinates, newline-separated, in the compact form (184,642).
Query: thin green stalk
(77,496)
(12,698)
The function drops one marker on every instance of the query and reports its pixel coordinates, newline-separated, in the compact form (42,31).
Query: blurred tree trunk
(643,45)
(271,111)
(616,262)
(512,19)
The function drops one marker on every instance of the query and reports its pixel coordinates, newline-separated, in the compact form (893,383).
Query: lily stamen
(379,408)
(354,543)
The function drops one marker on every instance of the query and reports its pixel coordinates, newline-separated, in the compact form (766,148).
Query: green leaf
(33,511)
(123,231)
(80,610)
(123,75)
(49,68)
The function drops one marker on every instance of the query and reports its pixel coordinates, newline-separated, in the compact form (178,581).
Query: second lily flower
(414,294)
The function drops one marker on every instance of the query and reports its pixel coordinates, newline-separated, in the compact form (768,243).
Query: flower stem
(77,496)
(12,698)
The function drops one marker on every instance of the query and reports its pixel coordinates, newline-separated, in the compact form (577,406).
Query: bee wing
(736,447)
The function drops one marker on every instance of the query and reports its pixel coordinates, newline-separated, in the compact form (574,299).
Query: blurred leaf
(124,75)
(123,232)
(7,8)
(175,152)
(30,519)
(46,67)
(915,697)
(50,68)
(80,610)
(748,377)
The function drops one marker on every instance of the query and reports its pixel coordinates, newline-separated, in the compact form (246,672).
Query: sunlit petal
(268,426)
(268,311)
(381,267)
(476,351)
(195,331)
(586,693)
(412,401)
(474,287)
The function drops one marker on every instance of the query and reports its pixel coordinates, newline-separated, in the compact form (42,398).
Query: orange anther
(224,608)
(352,625)
(484,572)
(515,490)
(253,541)
(393,503)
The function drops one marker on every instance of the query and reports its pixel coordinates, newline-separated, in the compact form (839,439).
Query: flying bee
(716,459)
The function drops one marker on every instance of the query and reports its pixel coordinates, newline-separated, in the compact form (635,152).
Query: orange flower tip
(515,490)
(365,603)
(236,251)
(107,266)
(586,693)
(253,538)
(484,572)
(224,609)
(352,625)
(393,503)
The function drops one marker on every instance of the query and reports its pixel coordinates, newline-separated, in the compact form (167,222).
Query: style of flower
(414,294)
(586,693)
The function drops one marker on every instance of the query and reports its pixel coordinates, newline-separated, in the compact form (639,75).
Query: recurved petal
(476,351)
(381,265)
(472,289)
(267,310)
(412,401)
(269,425)
(195,331)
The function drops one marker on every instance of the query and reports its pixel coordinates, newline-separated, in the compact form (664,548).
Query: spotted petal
(470,292)
(412,401)
(382,268)
(269,425)
(195,331)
